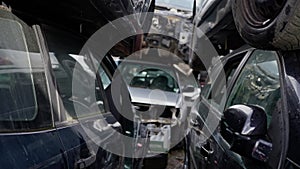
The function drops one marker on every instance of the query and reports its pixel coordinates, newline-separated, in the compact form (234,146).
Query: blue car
(54,111)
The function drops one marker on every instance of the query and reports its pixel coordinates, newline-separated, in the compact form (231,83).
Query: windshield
(177,4)
(149,77)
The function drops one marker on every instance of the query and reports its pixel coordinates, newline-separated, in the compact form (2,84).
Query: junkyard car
(162,93)
(47,111)
(259,125)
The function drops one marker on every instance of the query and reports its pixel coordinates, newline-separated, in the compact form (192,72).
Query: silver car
(162,95)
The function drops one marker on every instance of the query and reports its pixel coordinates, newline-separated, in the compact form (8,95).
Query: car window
(149,76)
(203,4)
(154,79)
(105,79)
(258,83)
(216,93)
(80,92)
(199,4)
(23,91)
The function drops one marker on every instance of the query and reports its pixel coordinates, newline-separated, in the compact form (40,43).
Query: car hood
(154,97)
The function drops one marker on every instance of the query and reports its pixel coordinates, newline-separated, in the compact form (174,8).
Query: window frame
(60,119)
(228,60)
(33,32)
(109,67)
(283,119)
(240,68)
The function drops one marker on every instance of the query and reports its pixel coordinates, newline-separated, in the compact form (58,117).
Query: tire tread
(283,33)
(289,37)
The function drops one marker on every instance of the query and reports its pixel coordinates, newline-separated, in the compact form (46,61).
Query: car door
(85,125)
(258,83)
(206,152)
(28,138)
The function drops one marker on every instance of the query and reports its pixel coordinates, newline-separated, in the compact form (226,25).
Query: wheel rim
(262,12)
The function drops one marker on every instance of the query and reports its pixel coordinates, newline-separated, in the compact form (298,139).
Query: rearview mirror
(244,127)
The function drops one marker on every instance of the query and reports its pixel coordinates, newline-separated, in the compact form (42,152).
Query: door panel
(258,83)
(84,150)
(34,150)
(209,150)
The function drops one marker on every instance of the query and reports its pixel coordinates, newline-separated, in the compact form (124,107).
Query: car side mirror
(244,127)
(188,89)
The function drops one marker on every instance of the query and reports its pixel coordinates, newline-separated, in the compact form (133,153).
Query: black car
(257,119)
(47,111)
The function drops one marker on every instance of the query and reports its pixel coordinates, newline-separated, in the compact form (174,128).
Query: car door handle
(85,162)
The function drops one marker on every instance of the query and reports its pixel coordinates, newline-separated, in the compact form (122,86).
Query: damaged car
(162,95)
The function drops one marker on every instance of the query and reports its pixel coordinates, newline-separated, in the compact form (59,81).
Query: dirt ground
(176,159)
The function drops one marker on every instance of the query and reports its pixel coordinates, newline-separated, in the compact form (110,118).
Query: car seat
(160,82)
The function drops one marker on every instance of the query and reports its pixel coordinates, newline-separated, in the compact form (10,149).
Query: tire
(268,24)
